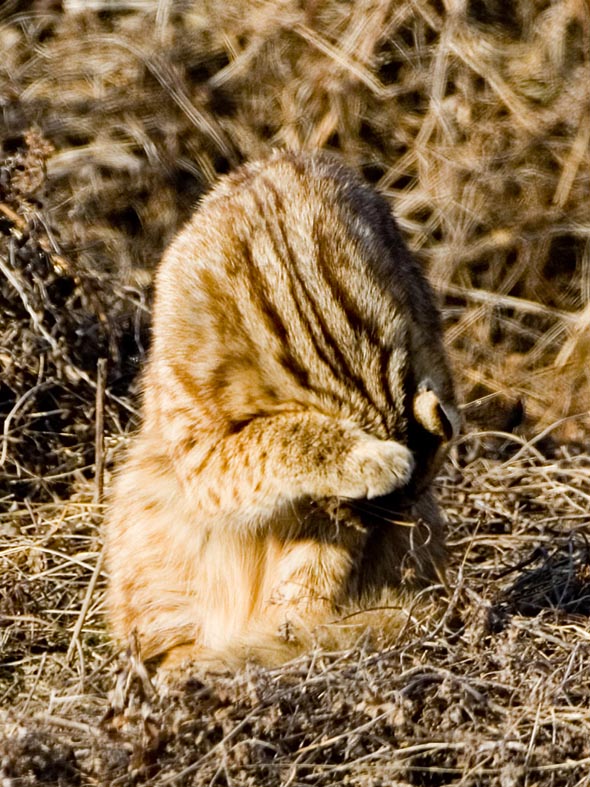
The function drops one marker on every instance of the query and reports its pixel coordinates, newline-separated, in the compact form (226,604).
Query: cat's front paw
(374,468)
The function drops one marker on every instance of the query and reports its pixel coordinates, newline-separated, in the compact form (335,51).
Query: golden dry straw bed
(473,117)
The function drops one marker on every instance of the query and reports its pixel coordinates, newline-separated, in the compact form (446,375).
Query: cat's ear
(437,417)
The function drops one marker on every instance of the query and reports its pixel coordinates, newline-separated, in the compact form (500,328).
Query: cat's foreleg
(275,460)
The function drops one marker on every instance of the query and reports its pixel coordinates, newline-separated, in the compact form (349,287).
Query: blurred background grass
(472,116)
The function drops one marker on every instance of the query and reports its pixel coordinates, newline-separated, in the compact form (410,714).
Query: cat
(296,404)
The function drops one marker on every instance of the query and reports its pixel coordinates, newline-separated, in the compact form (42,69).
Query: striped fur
(296,400)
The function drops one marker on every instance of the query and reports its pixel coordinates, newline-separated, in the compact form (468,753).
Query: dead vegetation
(476,693)
(474,117)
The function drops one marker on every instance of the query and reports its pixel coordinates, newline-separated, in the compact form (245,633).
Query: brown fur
(296,402)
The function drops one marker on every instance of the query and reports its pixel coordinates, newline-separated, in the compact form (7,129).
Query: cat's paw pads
(374,468)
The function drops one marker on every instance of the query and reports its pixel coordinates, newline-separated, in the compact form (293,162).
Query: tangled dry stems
(455,701)
(474,118)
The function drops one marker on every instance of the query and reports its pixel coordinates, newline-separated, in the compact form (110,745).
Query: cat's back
(296,215)
(292,274)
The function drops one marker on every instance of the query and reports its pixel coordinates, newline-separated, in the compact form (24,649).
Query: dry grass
(474,117)
(474,694)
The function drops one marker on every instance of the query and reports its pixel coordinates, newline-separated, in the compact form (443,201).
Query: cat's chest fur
(297,360)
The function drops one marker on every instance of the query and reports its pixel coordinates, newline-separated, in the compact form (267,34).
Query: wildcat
(296,404)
